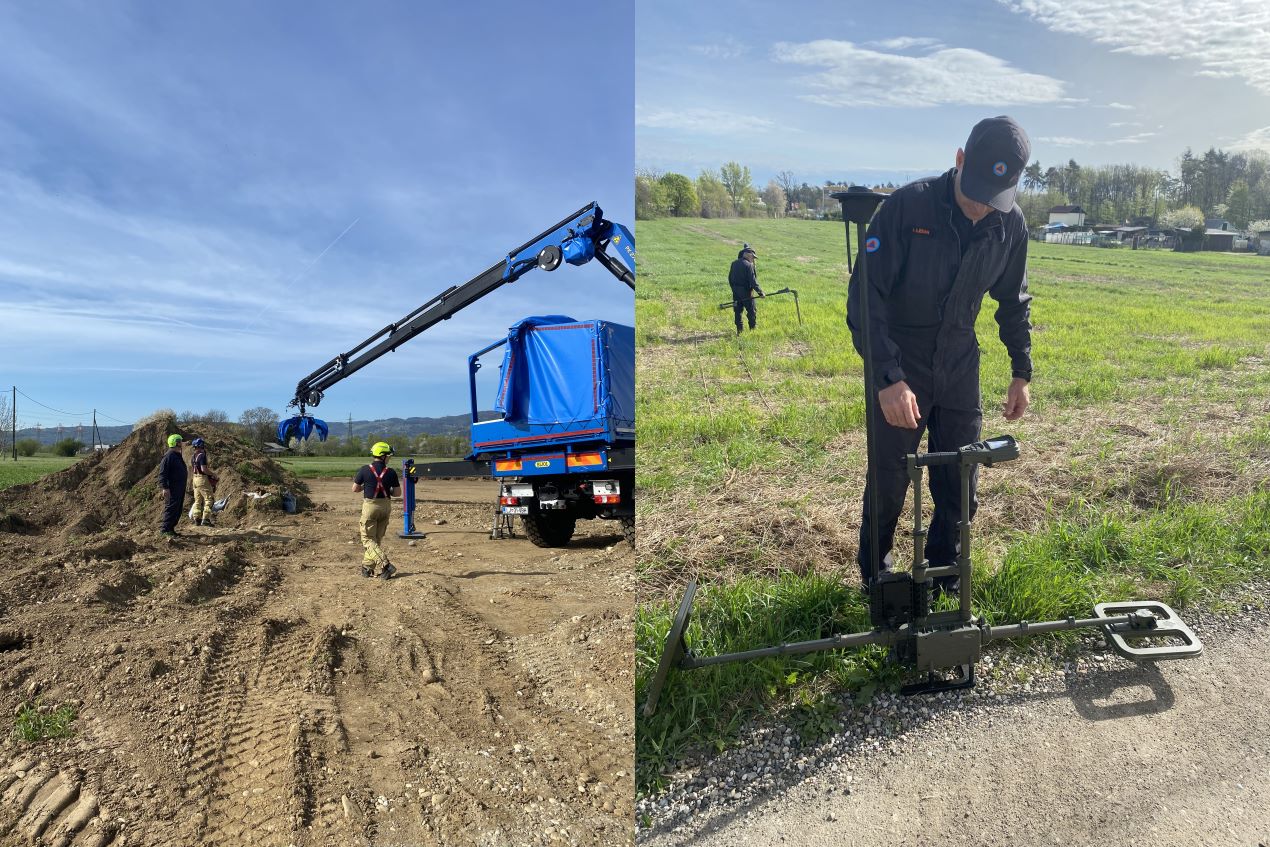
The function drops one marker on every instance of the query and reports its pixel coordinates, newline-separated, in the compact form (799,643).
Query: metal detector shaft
(797,308)
(795,648)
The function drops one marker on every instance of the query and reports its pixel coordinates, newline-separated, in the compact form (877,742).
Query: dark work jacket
(742,278)
(173,474)
(926,292)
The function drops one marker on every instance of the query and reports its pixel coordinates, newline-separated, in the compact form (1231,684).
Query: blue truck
(563,442)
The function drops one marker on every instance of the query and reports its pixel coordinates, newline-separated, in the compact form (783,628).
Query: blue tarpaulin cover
(569,376)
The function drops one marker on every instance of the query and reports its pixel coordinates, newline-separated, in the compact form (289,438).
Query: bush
(68,447)
(27,446)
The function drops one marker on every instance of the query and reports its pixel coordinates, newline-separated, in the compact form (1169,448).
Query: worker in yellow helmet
(378,484)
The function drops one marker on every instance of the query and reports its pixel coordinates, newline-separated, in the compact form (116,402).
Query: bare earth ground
(1175,753)
(245,685)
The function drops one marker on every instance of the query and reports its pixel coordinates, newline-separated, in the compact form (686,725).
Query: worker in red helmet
(378,484)
(204,484)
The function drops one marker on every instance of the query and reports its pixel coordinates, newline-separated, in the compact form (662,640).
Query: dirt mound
(118,489)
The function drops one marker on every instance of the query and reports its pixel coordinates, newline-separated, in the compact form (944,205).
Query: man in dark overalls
(743,279)
(173,475)
(935,247)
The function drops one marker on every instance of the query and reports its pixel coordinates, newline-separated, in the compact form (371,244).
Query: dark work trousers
(746,303)
(172,509)
(948,429)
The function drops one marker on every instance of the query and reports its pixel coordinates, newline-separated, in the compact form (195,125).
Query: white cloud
(1227,38)
(1115,105)
(1257,139)
(701,120)
(1070,141)
(858,76)
(728,48)
(904,42)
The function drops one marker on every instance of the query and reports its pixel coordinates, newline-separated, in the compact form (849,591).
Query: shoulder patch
(872,244)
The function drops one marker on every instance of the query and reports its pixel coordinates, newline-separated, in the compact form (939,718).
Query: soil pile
(117,490)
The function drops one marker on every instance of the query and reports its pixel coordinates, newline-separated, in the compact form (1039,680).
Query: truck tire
(628,530)
(549,529)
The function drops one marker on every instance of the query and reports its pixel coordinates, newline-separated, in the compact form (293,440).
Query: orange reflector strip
(585,460)
(507,465)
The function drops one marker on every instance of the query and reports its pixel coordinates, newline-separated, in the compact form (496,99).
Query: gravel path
(1046,750)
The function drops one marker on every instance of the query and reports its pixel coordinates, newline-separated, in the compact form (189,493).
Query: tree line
(1234,186)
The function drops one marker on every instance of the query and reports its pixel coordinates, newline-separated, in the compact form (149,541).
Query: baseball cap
(995,155)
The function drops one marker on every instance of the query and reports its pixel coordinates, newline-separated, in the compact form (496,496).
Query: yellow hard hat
(174,440)
(381,448)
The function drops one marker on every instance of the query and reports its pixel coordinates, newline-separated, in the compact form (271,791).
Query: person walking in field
(378,484)
(743,280)
(204,484)
(173,475)
(935,247)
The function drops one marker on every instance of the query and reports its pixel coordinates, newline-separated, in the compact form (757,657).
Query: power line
(51,409)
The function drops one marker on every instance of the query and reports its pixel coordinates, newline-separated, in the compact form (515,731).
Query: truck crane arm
(576,240)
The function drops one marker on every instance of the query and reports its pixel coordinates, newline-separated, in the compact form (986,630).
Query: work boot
(198,521)
(388,571)
(367,572)
(947,585)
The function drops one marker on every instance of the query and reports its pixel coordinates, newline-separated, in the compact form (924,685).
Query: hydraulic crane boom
(579,238)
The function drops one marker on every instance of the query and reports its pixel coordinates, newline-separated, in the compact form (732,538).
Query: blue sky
(202,203)
(889,91)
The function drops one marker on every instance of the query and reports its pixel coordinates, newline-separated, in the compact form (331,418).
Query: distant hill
(384,427)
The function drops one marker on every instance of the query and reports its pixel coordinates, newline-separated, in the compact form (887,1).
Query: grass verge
(30,468)
(1183,553)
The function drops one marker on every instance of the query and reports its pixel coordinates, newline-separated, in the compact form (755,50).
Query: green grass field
(318,467)
(31,468)
(1144,472)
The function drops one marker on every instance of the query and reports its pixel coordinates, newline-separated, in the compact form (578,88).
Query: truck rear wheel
(628,530)
(549,529)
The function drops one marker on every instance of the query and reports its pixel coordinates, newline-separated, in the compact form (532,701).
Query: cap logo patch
(999,169)
(872,244)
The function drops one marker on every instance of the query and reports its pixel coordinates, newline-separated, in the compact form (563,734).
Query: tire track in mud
(250,768)
(40,805)
(499,750)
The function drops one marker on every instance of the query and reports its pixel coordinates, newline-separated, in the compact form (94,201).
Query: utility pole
(15,423)
(350,424)
(96,434)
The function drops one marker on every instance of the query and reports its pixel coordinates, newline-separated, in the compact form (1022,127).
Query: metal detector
(900,602)
(797,308)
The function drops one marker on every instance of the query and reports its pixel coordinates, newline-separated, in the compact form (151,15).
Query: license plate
(515,510)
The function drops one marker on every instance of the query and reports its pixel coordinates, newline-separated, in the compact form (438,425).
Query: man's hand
(899,405)
(163,493)
(1017,400)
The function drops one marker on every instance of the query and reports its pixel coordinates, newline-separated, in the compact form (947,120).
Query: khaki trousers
(204,496)
(374,525)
